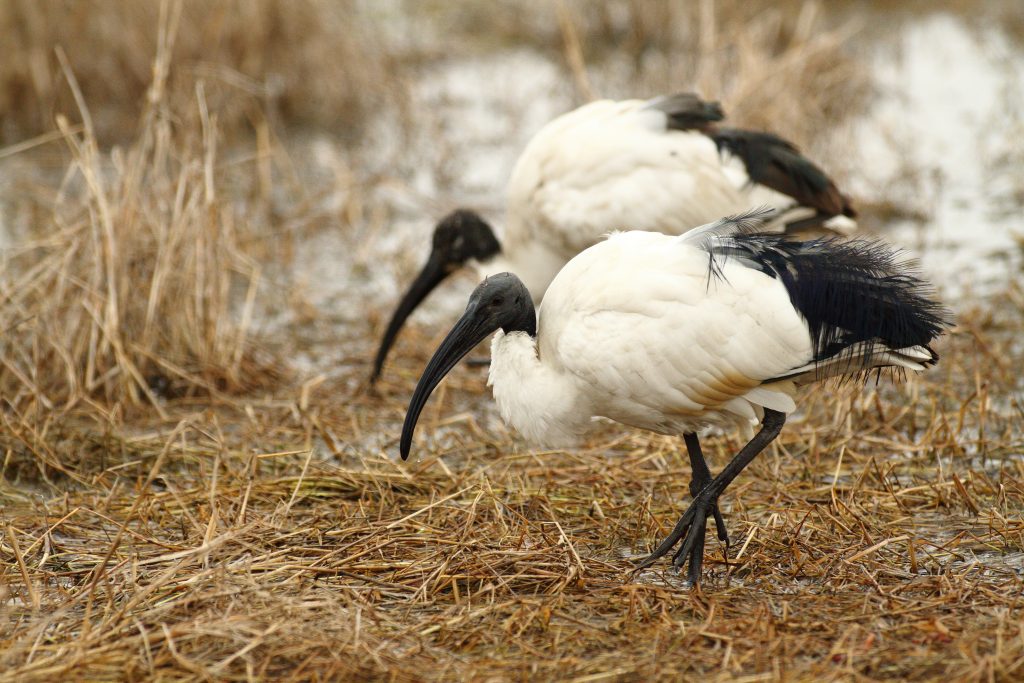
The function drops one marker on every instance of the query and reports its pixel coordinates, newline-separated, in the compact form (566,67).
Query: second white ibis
(663,165)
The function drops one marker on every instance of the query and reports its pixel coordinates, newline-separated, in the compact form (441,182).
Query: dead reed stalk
(139,285)
(257,57)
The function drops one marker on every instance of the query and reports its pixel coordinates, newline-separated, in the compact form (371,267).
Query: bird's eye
(497,301)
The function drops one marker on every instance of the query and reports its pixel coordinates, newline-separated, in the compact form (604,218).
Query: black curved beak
(434,272)
(471,329)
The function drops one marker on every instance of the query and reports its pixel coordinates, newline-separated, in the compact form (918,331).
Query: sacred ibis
(674,334)
(661,164)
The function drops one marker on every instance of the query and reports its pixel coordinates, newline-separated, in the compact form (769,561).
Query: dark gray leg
(701,477)
(693,522)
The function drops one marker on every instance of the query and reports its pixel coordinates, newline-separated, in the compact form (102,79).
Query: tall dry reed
(139,284)
(305,61)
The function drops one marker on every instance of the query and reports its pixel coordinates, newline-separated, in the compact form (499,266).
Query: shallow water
(949,99)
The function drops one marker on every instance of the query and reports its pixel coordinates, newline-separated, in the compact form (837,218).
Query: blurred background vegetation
(331,64)
(156,152)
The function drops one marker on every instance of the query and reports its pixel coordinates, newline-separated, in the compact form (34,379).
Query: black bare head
(501,302)
(463,235)
(459,237)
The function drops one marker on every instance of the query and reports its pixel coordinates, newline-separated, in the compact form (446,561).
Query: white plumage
(635,330)
(609,165)
(659,165)
(673,334)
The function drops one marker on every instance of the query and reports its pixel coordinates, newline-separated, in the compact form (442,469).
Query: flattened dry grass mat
(252,539)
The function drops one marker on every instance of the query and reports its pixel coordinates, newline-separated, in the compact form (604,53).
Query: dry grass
(179,504)
(332,63)
(775,66)
(881,538)
(131,291)
(258,58)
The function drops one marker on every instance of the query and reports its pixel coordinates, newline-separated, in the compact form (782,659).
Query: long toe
(681,528)
(723,533)
(693,545)
(696,562)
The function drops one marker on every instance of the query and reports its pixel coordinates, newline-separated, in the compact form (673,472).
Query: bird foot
(691,529)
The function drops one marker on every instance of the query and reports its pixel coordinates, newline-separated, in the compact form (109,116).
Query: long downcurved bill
(463,338)
(434,272)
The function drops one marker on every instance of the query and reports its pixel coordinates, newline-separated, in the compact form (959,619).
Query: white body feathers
(616,165)
(637,330)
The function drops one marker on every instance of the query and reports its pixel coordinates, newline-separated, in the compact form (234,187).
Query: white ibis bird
(717,327)
(661,165)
